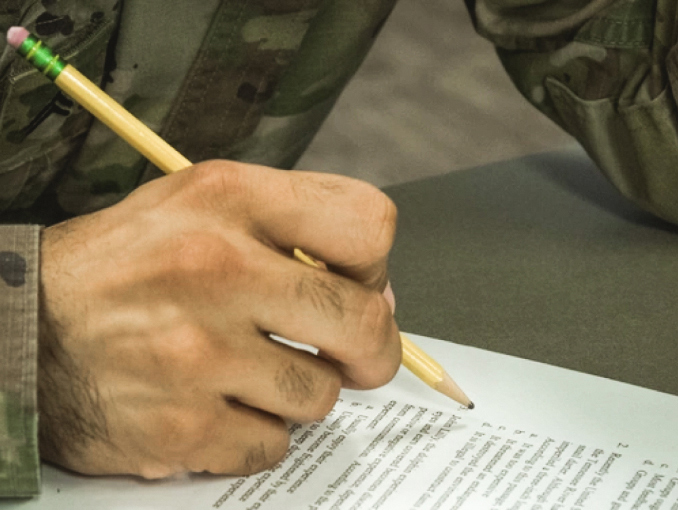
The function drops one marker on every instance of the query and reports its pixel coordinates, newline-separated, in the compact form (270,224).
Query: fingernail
(390,297)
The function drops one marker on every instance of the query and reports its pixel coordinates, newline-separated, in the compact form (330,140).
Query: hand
(155,313)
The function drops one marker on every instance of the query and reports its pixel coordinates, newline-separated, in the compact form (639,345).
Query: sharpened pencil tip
(16,36)
(448,387)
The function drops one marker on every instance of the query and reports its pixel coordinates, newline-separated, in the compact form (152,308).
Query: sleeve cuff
(19,457)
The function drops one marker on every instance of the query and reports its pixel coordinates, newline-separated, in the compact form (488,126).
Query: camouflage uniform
(253,80)
(606,71)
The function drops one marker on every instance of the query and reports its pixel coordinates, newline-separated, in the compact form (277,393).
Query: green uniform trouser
(607,72)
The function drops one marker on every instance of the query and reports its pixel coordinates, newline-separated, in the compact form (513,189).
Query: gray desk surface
(540,258)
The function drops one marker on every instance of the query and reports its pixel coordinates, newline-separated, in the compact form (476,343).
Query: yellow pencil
(165,157)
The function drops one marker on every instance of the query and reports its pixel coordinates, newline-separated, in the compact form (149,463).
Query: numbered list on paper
(398,455)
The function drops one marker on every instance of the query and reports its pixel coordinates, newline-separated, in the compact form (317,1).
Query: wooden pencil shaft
(420,363)
(169,160)
(126,125)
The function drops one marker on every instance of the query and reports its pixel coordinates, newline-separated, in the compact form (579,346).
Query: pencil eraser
(16,36)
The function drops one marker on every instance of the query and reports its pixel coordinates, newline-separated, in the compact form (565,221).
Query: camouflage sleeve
(19,461)
(607,72)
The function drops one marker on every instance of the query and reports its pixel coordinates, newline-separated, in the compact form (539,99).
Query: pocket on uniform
(40,127)
(635,146)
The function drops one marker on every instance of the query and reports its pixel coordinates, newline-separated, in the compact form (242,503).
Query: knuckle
(325,292)
(203,254)
(329,399)
(296,385)
(268,453)
(218,178)
(380,217)
(221,186)
(265,445)
(191,253)
(278,444)
(373,326)
(312,392)
(325,397)
(376,344)
(331,390)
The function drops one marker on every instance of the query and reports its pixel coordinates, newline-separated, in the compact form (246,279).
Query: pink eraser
(16,36)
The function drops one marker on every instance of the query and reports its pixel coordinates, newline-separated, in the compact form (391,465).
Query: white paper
(541,438)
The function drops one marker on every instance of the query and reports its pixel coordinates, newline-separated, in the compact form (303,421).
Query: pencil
(169,160)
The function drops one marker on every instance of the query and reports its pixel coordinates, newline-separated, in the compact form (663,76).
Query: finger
(203,432)
(242,441)
(351,324)
(285,381)
(348,224)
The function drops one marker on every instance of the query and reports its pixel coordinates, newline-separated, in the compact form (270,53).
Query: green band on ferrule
(42,57)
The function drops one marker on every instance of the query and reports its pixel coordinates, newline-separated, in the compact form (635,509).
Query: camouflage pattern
(607,72)
(248,80)
(19,463)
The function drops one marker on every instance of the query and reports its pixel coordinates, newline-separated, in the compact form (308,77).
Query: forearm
(19,460)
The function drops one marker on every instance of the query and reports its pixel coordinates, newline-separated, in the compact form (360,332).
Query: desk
(540,258)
